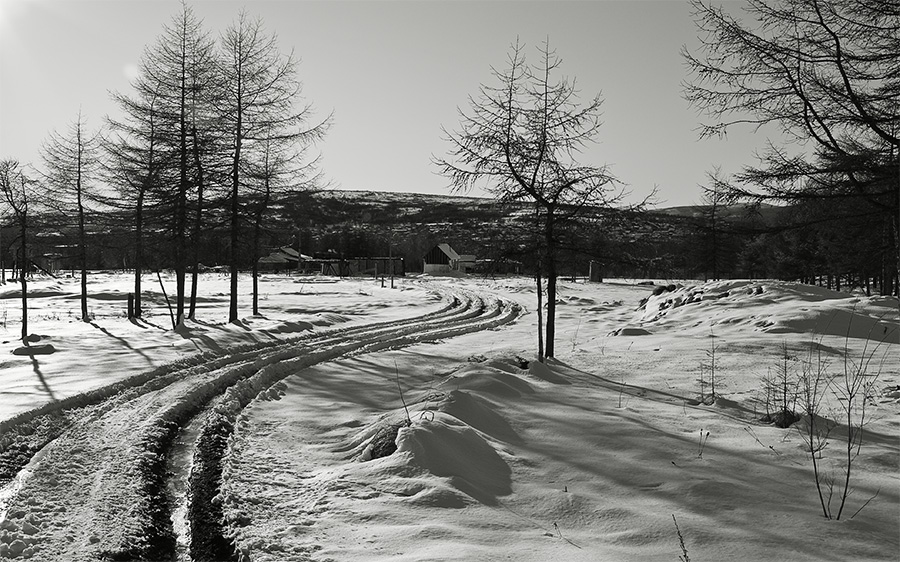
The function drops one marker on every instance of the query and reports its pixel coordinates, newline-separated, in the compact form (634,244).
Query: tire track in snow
(203,381)
(100,488)
(209,529)
(23,435)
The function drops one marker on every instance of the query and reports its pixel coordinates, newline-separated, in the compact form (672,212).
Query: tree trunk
(82,258)
(82,242)
(551,281)
(551,308)
(256,234)
(888,268)
(198,225)
(540,311)
(181,203)
(85,316)
(138,251)
(233,268)
(180,261)
(235,183)
(23,282)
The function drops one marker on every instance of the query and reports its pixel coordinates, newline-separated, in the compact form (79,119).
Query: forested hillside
(679,242)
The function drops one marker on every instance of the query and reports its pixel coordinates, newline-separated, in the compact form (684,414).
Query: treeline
(209,133)
(700,242)
(213,143)
(812,243)
(824,74)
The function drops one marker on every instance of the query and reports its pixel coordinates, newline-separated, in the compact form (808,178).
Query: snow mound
(774,307)
(290,327)
(629,331)
(489,380)
(42,349)
(478,413)
(833,322)
(605,306)
(545,373)
(512,365)
(575,300)
(53,290)
(447,456)
(449,448)
(329,319)
(103,295)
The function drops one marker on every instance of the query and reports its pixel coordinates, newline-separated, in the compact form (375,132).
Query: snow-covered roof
(274,258)
(283,255)
(290,252)
(293,254)
(451,253)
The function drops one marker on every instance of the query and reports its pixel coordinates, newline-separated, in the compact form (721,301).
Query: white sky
(393,73)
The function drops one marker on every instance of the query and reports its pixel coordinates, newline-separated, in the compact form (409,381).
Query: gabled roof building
(442,259)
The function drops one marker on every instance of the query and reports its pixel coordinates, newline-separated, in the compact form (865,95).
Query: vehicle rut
(100,488)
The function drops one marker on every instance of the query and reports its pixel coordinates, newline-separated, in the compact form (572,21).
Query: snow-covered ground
(111,348)
(586,457)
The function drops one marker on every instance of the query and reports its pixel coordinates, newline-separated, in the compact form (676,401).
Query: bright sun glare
(9,9)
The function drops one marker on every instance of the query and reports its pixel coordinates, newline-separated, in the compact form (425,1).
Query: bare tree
(168,135)
(17,188)
(258,106)
(713,225)
(521,139)
(175,73)
(824,73)
(206,136)
(72,162)
(278,168)
(853,389)
(135,165)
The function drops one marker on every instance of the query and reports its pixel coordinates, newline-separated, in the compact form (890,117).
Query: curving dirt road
(97,490)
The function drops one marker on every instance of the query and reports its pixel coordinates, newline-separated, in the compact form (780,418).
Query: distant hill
(338,223)
(424,206)
(739,211)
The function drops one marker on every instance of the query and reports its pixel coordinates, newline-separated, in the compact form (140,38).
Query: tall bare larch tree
(71,162)
(135,166)
(17,191)
(176,70)
(259,105)
(522,139)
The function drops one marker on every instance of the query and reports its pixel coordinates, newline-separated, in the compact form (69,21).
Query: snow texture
(583,457)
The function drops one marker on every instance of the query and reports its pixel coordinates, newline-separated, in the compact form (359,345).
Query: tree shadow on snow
(123,341)
(32,352)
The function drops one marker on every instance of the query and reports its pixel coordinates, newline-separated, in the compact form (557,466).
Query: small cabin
(282,259)
(442,259)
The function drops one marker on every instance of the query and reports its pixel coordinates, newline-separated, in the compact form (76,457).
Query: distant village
(440,260)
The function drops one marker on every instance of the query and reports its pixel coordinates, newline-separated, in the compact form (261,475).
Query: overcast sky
(392,73)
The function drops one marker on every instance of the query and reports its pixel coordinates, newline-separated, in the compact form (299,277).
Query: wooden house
(282,259)
(443,260)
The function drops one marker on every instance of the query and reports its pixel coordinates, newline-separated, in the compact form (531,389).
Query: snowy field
(587,457)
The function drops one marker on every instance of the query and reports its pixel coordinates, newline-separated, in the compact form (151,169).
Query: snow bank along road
(87,478)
